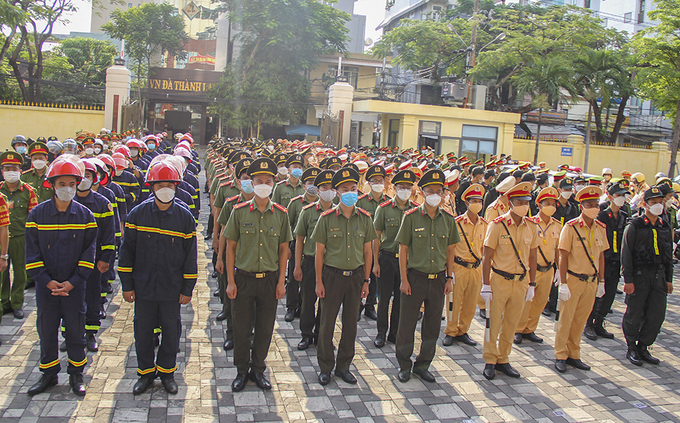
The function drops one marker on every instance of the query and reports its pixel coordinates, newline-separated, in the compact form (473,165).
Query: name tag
(505,236)
(247,224)
(419,229)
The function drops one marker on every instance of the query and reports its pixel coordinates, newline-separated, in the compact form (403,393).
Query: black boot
(646,356)
(45,382)
(633,355)
(92,345)
(77,384)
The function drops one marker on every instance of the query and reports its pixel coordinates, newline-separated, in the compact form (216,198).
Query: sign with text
(567,151)
(181,81)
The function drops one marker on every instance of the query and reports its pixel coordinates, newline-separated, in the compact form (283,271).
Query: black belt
(389,254)
(544,269)
(469,265)
(427,275)
(345,273)
(509,276)
(260,275)
(584,278)
(306,257)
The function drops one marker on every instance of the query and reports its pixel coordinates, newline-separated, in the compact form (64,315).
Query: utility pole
(472,54)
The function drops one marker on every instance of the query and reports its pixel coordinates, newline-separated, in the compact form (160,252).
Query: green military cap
(294,159)
(307,151)
(237,156)
(376,170)
(333,161)
(11,158)
(560,175)
(343,175)
(595,180)
(351,166)
(324,177)
(280,159)
(310,173)
(242,166)
(323,163)
(404,177)
(37,148)
(262,166)
(431,177)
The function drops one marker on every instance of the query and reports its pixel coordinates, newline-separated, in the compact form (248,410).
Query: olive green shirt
(427,239)
(224,191)
(258,235)
(32,178)
(368,203)
(295,208)
(285,191)
(20,202)
(306,223)
(229,204)
(214,184)
(387,221)
(344,238)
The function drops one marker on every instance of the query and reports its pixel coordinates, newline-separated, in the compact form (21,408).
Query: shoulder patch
(234,198)
(299,197)
(386,203)
(362,196)
(280,207)
(364,211)
(308,206)
(600,223)
(459,218)
(282,182)
(484,220)
(499,219)
(327,212)
(533,219)
(573,221)
(406,213)
(239,205)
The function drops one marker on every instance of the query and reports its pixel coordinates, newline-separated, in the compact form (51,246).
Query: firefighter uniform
(130,185)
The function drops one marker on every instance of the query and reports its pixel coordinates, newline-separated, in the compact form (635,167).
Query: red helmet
(121,162)
(183,152)
(134,143)
(94,164)
(184,144)
(108,161)
(162,172)
(187,137)
(68,165)
(124,150)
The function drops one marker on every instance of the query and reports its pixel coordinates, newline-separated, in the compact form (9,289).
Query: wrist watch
(6,257)
(367,281)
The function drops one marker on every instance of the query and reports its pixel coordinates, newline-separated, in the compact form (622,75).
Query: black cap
(237,156)
(404,177)
(432,176)
(579,179)
(654,192)
(324,177)
(333,161)
(375,171)
(310,173)
(294,159)
(665,189)
(351,166)
(343,175)
(528,177)
(542,178)
(242,166)
(262,166)
(479,170)
(280,158)
(617,188)
(322,163)
(567,183)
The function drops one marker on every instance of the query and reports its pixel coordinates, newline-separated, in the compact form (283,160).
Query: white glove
(486,293)
(453,278)
(557,279)
(564,293)
(530,293)
(600,290)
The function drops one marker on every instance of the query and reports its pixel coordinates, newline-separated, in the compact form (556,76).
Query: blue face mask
(152,147)
(21,150)
(349,198)
(296,173)
(247,186)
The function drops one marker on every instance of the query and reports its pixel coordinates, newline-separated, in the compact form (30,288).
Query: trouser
(388,287)
(253,297)
(13,296)
(429,292)
(372,298)
(461,304)
(646,309)
(612,272)
(533,309)
(226,305)
(93,301)
(552,301)
(211,224)
(345,291)
(149,315)
(480,302)
(50,311)
(292,285)
(573,316)
(309,319)
(506,305)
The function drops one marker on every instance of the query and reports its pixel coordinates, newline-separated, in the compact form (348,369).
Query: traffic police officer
(61,240)
(343,262)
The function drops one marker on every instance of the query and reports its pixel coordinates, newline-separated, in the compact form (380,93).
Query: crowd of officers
(424,236)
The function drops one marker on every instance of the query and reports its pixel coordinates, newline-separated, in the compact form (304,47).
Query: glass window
(351,72)
(473,131)
(628,17)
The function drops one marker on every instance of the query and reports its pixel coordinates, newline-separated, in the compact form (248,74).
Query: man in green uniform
(282,170)
(258,232)
(343,262)
(35,177)
(426,240)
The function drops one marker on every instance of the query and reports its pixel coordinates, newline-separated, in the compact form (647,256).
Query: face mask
(404,194)
(378,188)
(152,147)
(89,151)
(349,198)
(283,171)
(11,176)
(475,208)
(21,150)
(656,209)
(520,211)
(579,187)
(620,201)
(592,212)
(165,195)
(627,197)
(134,153)
(433,200)
(65,194)
(566,194)
(669,203)
(263,190)
(327,195)
(548,210)
(97,150)
(311,190)
(119,172)
(296,173)
(247,186)
(39,164)
(84,185)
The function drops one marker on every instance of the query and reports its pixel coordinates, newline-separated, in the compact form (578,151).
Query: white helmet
(606,171)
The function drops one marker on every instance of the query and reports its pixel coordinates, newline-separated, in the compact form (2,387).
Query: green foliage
(90,57)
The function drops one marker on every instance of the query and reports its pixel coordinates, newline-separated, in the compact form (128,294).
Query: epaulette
(226,184)
(364,211)
(449,212)
(281,182)
(600,223)
(308,206)
(386,203)
(327,212)
(406,213)
(459,218)
(26,171)
(555,220)
(533,219)
(299,197)
(280,207)
(230,199)
(239,205)
(484,220)
(362,196)
(573,221)
(499,219)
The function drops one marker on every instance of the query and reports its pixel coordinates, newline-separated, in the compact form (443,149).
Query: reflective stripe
(86,264)
(124,269)
(48,365)
(160,231)
(119,234)
(78,363)
(190,275)
(103,215)
(35,265)
(656,242)
(104,294)
(61,227)
(63,329)
(127,184)
(162,370)
(147,371)
(616,250)
(192,206)
(120,200)
(91,327)
(157,330)
(108,247)
(134,197)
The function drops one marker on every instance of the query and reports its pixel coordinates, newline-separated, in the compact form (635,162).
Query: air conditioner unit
(454,90)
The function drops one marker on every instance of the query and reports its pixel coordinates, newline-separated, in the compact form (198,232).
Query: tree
(89,57)
(11,17)
(658,78)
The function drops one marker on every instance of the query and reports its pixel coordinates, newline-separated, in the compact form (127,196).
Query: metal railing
(53,105)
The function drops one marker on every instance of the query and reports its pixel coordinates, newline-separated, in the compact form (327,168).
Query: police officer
(157,267)
(4,235)
(61,240)
(426,240)
(646,258)
(20,146)
(305,249)
(35,177)
(386,256)
(257,232)
(343,262)
(583,241)
(466,268)
(476,177)
(510,242)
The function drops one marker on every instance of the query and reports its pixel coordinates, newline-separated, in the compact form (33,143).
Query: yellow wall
(34,122)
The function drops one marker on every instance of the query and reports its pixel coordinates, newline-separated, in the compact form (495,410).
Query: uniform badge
(345,174)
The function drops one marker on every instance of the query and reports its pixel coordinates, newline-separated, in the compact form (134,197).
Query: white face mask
(39,164)
(404,194)
(134,153)
(84,185)
(378,188)
(165,195)
(566,194)
(521,211)
(11,176)
(283,170)
(263,190)
(65,194)
(579,187)
(620,201)
(89,151)
(656,209)
(119,172)
(97,150)
(327,195)
(433,200)
(669,203)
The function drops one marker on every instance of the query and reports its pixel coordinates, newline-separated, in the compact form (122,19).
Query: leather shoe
(561,365)
(221,316)
(508,370)
(489,371)
(392,338)
(216,293)
(448,340)
(589,332)
(91,342)
(45,382)
(424,374)
(304,344)
(379,341)
(370,313)
(239,383)
(290,316)
(465,339)
(169,384)
(634,356)
(102,312)
(482,313)
(63,347)
(532,337)
(77,384)
(576,362)
(143,384)
(260,381)
(228,345)
(215,274)
(404,376)
(518,338)
(646,356)
(324,378)
(546,312)
(18,313)
(602,332)
(347,376)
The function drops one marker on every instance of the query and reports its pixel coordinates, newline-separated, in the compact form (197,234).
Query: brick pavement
(614,390)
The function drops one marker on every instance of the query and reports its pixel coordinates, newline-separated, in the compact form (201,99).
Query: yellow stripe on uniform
(656,242)
(35,265)
(162,370)
(78,363)
(159,231)
(108,247)
(48,365)
(147,371)
(92,327)
(125,269)
(61,227)
(87,264)
(119,234)
(616,250)
(190,275)
(103,215)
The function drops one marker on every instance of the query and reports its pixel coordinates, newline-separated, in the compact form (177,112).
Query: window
(428,135)
(605,22)
(628,17)
(641,11)
(129,5)
(351,72)
(478,141)
(586,4)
